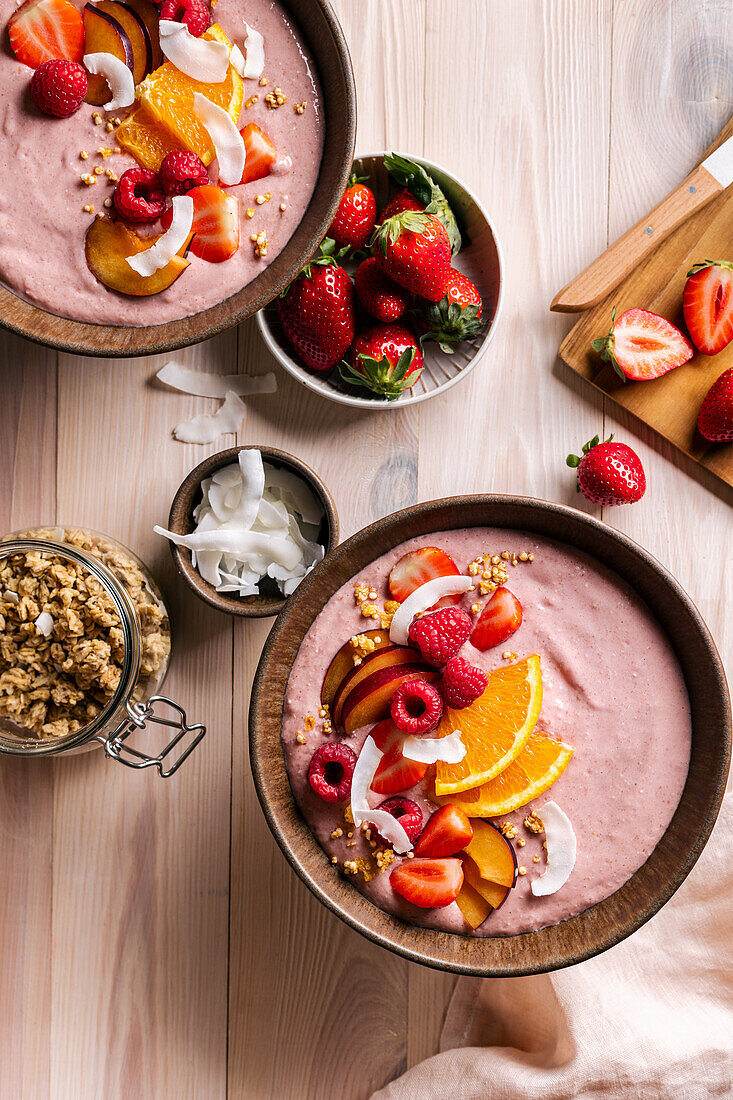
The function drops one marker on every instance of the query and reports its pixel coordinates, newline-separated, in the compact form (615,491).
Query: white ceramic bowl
(480,259)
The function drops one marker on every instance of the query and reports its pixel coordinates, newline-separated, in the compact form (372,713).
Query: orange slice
(165,120)
(539,764)
(494,728)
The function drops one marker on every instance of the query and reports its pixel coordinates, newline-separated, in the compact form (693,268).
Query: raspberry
(179,172)
(462,683)
(407,812)
(330,771)
(196,14)
(58,87)
(440,634)
(416,707)
(138,196)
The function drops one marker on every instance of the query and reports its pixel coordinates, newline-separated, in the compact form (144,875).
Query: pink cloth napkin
(651,1018)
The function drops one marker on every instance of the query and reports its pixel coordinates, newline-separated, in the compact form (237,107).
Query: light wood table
(154,942)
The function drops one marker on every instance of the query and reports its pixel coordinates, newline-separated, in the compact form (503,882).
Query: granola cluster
(61,640)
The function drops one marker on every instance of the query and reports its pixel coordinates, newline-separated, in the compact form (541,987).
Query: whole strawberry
(400,202)
(379,295)
(715,419)
(455,317)
(414,250)
(609,473)
(385,359)
(354,222)
(317,311)
(58,87)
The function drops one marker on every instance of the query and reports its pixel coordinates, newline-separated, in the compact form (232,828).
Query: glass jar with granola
(84,648)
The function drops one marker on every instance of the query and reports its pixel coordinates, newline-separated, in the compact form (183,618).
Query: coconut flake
(236,60)
(200,58)
(44,624)
(561,846)
(200,384)
(11,597)
(254,47)
(429,750)
(422,599)
(117,75)
(388,826)
(207,427)
(227,140)
(169,243)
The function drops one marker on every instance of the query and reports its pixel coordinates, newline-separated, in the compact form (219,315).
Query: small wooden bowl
(180,520)
(320,29)
(602,925)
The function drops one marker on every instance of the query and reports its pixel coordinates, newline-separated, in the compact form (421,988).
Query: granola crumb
(250,212)
(508,829)
(522,870)
(337,832)
(300,737)
(300,107)
(535,859)
(276,98)
(309,722)
(263,82)
(84,155)
(520,842)
(251,101)
(534,823)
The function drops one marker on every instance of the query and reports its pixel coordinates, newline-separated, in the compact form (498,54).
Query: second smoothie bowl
(175,167)
(444,734)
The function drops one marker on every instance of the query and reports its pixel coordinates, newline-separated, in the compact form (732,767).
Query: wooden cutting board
(670,404)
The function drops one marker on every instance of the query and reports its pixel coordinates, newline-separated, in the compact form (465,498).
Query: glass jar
(84,649)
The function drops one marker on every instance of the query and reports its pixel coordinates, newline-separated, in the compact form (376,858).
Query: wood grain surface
(155,943)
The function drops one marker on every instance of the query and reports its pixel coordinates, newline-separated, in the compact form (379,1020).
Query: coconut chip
(429,750)
(227,140)
(422,599)
(561,845)
(118,77)
(11,597)
(44,624)
(169,243)
(388,826)
(200,58)
(207,427)
(254,48)
(200,384)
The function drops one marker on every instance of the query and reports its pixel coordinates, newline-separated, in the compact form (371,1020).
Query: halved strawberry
(215,223)
(417,567)
(642,345)
(707,305)
(428,883)
(499,619)
(448,831)
(395,772)
(43,30)
(261,153)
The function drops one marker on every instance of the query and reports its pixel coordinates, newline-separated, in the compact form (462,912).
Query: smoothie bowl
(176,166)
(445,734)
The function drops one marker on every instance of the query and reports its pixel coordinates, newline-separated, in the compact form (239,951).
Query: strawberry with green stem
(609,473)
(456,317)
(414,178)
(413,250)
(386,359)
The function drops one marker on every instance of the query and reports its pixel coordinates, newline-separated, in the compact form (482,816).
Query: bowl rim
(300,374)
(604,924)
(248,607)
(98,340)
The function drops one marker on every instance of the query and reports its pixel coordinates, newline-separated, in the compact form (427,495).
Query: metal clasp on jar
(142,715)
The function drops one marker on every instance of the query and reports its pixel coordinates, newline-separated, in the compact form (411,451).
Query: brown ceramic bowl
(322,34)
(602,925)
(180,520)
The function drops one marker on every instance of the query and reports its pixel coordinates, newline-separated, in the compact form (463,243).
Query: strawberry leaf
(410,174)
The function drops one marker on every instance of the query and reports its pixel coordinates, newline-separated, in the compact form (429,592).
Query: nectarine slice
(386,657)
(491,892)
(474,907)
(343,663)
(107,246)
(369,702)
(492,853)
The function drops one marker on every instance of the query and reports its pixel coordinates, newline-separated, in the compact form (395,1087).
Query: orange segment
(539,764)
(494,728)
(165,120)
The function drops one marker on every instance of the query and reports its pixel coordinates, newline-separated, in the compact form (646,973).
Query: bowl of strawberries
(403,297)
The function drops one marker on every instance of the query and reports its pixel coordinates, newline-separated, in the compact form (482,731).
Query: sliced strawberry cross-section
(260,151)
(45,30)
(215,223)
(395,772)
(501,616)
(643,346)
(419,566)
(707,305)
(447,832)
(428,883)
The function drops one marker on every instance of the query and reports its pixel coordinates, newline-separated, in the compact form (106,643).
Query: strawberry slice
(215,223)
(642,346)
(428,883)
(707,305)
(448,831)
(395,772)
(261,153)
(501,616)
(418,567)
(42,30)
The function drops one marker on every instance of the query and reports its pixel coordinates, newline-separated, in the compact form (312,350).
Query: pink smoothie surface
(613,690)
(42,220)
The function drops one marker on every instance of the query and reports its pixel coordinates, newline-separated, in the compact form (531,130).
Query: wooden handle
(606,272)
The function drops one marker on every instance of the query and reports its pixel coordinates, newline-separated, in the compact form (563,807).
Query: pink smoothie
(613,690)
(42,221)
